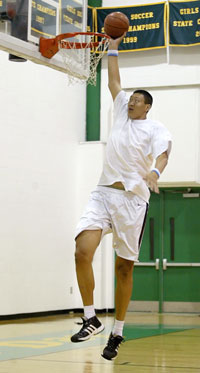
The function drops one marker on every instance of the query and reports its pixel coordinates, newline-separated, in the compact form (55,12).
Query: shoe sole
(107,358)
(95,332)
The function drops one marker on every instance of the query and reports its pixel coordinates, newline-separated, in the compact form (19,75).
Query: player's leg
(128,217)
(124,279)
(86,244)
(93,224)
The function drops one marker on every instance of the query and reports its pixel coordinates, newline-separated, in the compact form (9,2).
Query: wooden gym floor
(154,343)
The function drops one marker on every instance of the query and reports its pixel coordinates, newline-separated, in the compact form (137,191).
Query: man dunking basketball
(120,201)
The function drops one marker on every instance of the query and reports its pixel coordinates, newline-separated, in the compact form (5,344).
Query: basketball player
(120,201)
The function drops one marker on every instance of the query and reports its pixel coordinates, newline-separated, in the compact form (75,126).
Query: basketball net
(81,57)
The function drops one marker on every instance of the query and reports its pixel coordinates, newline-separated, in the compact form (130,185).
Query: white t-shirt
(131,149)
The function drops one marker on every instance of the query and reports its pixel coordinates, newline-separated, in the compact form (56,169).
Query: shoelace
(84,322)
(114,343)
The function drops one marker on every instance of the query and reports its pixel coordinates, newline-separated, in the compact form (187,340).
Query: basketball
(115,24)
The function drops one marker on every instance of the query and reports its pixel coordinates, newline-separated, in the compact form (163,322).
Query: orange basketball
(115,24)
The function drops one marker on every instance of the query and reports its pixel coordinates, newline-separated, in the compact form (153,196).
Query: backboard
(23,22)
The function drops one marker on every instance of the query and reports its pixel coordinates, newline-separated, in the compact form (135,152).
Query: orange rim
(49,47)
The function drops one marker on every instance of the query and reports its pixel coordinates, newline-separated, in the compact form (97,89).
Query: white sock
(89,311)
(118,327)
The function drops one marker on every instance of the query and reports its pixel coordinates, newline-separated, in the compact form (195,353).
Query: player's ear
(148,107)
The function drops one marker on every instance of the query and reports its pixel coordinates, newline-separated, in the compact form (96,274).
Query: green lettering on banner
(184,23)
(147,28)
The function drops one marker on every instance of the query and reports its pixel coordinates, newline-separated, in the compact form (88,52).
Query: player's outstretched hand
(114,43)
(151,180)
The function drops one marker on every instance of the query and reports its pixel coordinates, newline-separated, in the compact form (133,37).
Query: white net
(81,63)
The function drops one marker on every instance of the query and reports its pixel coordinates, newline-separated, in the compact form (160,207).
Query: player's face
(137,109)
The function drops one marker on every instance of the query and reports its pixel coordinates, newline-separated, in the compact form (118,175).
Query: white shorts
(120,212)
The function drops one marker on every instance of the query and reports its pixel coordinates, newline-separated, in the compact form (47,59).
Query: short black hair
(148,99)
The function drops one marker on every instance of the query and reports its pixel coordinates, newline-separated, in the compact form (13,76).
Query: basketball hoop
(80,55)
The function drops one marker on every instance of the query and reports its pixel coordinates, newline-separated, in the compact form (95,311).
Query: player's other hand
(151,180)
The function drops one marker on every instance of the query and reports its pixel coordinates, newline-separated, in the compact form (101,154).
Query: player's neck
(140,118)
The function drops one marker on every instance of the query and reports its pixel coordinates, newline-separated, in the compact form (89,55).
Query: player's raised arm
(114,82)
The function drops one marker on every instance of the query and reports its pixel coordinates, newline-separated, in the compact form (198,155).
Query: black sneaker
(90,327)
(111,350)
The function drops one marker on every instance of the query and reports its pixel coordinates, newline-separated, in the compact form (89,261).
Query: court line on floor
(104,362)
(48,343)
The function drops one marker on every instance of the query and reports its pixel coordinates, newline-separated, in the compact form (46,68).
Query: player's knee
(81,254)
(124,268)
(80,257)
